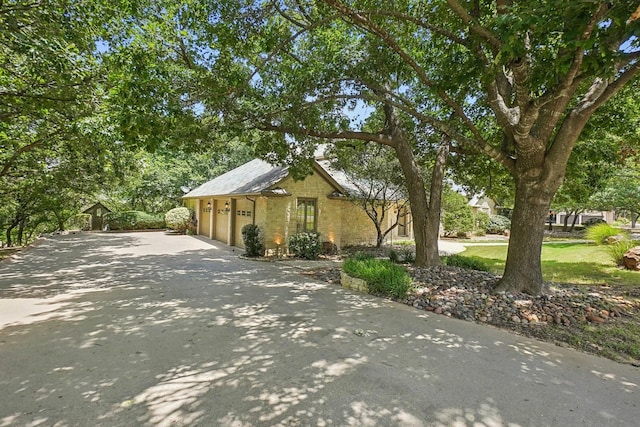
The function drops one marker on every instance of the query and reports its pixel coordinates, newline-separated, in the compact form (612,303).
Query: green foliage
(404,255)
(621,192)
(498,224)
(382,276)
(361,256)
(457,219)
(593,221)
(305,245)
(178,219)
(393,256)
(253,240)
(599,233)
(376,181)
(407,255)
(79,222)
(466,262)
(132,220)
(482,223)
(617,250)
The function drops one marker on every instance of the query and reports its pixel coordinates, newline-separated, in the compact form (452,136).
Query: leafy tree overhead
(157,181)
(611,138)
(514,81)
(622,192)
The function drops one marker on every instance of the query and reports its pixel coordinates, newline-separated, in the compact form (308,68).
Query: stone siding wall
(338,221)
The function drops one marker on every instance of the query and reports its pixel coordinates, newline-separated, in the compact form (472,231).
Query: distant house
(558,218)
(97,211)
(268,196)
(482,203)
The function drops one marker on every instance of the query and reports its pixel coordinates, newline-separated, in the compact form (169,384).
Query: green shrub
(253,241)
(362,256)
(466,262)
(617,250)
(393,256)
(132,220)
(305,245)
(600,232)
(482,222)
(407,255)
(498,224)
(178,219)
(382,276)
(593,221)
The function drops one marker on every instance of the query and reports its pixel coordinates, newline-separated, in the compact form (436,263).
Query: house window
(306,215)
(403,230)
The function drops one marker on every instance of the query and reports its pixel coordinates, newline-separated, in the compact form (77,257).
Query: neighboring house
(268,196)
(482,203)
(96,211)
(558,218)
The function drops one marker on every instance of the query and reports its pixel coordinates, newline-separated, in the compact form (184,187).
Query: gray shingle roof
(251,178)
(258,176)
(339,177)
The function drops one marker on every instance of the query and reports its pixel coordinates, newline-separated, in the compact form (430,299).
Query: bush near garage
(178,219)
(253,241)
(305,245)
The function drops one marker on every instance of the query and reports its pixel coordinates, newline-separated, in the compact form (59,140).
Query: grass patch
(382,276)
(465,262)
(575,263)
(615,341)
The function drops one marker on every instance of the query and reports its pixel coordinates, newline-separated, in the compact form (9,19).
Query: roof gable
(251,178)
(259,177)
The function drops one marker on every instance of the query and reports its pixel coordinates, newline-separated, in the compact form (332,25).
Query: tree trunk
(575,220)
(8,234)
(434,208)
(523,269)
(426,244)
(426,248)
(20,237)
(380,236)
(565,223)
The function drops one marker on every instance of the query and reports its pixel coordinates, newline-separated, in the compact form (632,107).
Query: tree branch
(469,21)
(380,138)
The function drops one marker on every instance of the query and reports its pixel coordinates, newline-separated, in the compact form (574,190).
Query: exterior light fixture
(226,207)
(208,208)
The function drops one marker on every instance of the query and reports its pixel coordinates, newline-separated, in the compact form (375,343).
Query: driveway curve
(148,329)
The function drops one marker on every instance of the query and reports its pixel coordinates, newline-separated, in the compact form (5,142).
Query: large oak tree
(516,81)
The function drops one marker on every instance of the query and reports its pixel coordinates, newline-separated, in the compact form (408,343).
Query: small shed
(96,211)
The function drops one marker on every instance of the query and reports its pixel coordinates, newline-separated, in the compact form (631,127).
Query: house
(268,196)
(97,211)
(482,203)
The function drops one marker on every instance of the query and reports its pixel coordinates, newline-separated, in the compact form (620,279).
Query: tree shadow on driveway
(148,329)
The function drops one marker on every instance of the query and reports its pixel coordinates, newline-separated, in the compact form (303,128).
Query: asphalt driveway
(153,329)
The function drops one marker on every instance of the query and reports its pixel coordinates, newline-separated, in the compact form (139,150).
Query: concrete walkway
(154,330)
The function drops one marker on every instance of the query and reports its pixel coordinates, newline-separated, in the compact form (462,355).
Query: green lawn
(576,263)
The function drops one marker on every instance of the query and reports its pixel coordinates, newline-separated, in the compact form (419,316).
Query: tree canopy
(516,82)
